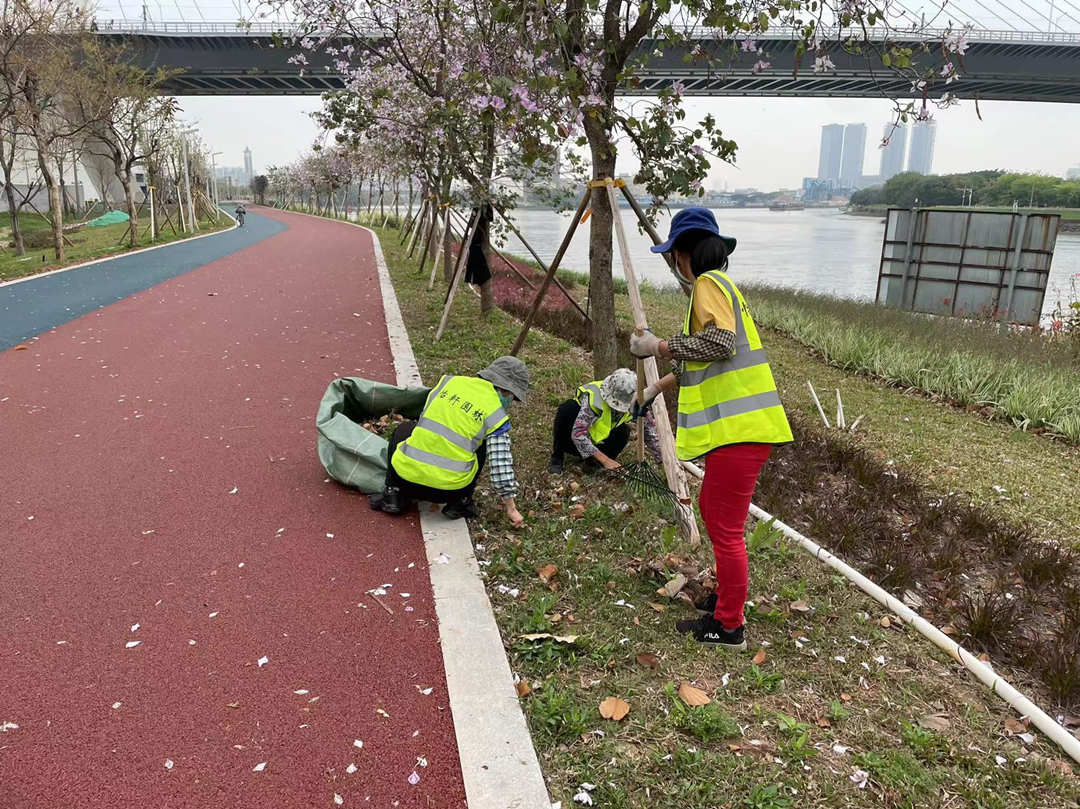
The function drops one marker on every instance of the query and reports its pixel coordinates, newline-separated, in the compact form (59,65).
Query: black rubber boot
(460,508)
(392,501)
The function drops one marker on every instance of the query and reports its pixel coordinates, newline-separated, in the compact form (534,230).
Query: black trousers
(563,444)
(411,490)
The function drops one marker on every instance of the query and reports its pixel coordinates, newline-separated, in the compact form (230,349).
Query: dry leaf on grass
(549,636)
(885,623)
(800,606)
(547,573)
(578,511)
(672,588)
(648,659)
(1016,726)
(934,721)
(759,658)
(657,607)
(614,708)
(692,696)
(523,689)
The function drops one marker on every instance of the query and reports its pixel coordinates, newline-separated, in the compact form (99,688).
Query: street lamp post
(213,172)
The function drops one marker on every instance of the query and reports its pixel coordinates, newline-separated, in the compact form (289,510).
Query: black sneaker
(710,632)
(555,465)
(392,502)
(706,605)
(459,509)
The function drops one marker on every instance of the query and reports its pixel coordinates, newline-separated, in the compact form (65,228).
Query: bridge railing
(880,34)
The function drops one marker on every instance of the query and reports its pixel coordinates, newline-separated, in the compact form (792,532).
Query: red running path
(159,469)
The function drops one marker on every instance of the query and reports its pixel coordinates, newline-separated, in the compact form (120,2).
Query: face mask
(506,399)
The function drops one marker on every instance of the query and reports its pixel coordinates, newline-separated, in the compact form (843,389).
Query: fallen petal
(259,767)
(414,779)
(131,644)
(263,661)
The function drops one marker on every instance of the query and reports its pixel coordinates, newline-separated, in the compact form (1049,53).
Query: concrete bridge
(224,59)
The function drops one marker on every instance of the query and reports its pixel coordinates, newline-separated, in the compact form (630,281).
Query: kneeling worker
(596,424)
(463,426)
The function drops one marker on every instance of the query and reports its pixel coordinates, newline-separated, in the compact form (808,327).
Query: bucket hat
(693,218)
(619,389)
(508,373)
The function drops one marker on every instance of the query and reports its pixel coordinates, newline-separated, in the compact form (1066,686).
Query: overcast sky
(778,137)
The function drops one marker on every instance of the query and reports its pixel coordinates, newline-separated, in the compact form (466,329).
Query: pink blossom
(697,150)
(760,65)
(749,46)
(678,88)
(498,103)
(593,100)
(957,43)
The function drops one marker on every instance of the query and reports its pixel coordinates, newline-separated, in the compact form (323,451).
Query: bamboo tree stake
(840,421)
(538,260)
(439,249)
(820,409)
(645,223)
(647,369)
(429,235)
(418,223)
(458,272)
(551,270)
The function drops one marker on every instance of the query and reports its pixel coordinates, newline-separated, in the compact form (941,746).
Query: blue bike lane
(32,306)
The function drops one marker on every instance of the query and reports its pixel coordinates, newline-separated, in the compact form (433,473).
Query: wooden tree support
(442,242)
(551,270)
(433,211)
(459,271)
(648,372)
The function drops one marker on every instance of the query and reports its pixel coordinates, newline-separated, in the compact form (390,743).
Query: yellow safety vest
(460,412)
(602,427)
(731,401)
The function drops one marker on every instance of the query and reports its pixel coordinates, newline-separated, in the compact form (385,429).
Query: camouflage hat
(619,389)
(508,373)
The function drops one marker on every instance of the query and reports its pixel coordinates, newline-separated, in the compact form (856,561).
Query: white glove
(645,344)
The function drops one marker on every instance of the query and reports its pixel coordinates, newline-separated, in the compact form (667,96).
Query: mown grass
(835,702)
(85,244)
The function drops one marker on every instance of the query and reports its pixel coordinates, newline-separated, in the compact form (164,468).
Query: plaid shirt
(501,462)
(709,345)
(583,442)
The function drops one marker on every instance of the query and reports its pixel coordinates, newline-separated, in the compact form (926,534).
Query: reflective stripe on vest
(460,412)
(729,401)
(602,427)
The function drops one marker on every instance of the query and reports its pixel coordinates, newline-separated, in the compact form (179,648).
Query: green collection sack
(351,454)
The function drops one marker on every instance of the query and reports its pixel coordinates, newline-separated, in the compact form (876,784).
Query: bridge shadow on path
(37,304)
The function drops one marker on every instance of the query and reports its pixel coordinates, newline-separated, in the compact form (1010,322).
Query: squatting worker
(464,424)
(595,426)
(729,410)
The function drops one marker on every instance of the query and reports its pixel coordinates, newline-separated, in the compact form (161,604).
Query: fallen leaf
(578,511)
(1015,726)
(692,696)
(673,586)
(382,713)
(233,705)
(547,573)
(649,660)
(948,629)
(574,485)
(759,658)
(800,606)
(522,687)
(845,697)
(549,636)
(885,623)
(614,708)
(657,607)
(20,347)
(934,721)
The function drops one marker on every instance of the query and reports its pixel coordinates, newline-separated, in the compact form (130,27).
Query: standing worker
(729,410)
(595,426)
(463,425)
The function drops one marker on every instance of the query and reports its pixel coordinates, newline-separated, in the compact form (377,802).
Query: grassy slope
(769,738)
(86,244)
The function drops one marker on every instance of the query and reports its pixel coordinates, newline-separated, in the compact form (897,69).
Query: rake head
(642,478)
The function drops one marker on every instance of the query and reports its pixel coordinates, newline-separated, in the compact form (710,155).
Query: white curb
(498,761)
(235,225)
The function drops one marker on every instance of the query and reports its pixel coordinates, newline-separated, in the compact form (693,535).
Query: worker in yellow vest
(464,424)
(595,425)
(729,410)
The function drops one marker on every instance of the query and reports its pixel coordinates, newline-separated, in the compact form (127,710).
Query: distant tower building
(249,173)
(921,155)
(832,147)
(851,165)
(892,154)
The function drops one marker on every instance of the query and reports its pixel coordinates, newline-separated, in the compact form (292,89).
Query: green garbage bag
(110,218)
(351,454)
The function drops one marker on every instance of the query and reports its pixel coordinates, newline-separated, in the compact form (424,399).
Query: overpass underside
(245,64)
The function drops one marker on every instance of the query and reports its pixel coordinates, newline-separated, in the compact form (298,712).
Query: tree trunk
(129,200)
(16,230)
(56,212)
(601,289)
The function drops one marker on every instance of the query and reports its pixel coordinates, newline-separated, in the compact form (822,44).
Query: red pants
(731,474)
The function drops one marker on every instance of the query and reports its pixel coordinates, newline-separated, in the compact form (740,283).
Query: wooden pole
(419,224)
(439,250)
(434,213)
(520,341)
(647,369)
(540,261)
(458,272)
(656,239)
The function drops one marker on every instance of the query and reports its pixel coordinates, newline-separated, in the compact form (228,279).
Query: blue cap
(695,218)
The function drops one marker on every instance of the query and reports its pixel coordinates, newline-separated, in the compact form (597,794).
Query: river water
(819,250)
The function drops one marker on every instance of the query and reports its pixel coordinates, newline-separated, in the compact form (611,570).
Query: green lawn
(825,701)
(85,244)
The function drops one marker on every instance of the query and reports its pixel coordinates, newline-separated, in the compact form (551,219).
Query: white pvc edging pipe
(998,684)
